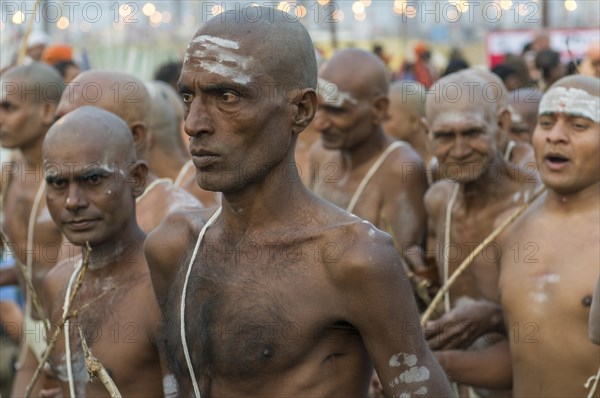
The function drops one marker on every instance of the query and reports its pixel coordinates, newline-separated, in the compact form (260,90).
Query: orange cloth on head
(57,53)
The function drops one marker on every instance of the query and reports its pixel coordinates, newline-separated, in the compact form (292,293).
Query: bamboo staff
(96,369)
(471,257)
(67,315)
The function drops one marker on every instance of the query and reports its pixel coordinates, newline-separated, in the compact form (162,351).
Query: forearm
(486,368)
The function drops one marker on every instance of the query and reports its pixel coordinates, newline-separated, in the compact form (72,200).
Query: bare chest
(250,310)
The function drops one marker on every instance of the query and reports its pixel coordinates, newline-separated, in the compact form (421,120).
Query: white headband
(331,94)
(571,101)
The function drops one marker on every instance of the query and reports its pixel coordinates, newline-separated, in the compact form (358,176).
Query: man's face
(344,118)
(89,193)
(21,121)
(463,142)
(566,149)
(237,115)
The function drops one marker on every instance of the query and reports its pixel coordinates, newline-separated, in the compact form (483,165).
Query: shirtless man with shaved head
(93,181)
(546,297)
(525,102)
(168,156)
(357,166)
(127,97)
(29,96)
(479,185)
(280,294)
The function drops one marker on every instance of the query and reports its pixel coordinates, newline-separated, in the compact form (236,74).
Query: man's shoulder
(438,195)
(357,252)
(57,278)
(177,197)
(404,161)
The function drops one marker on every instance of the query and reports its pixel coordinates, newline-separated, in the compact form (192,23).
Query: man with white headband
(356,165)
(546,293)
(280,293)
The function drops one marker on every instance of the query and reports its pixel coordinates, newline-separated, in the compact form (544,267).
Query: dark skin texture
(126,96)
(94,201)
(26,114)
(261,324)
(546,298)
(463,136)
(352,139)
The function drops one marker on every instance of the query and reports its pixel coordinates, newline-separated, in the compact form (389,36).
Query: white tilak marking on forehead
(571,101)
(215,55)
(332,95)
(218,41)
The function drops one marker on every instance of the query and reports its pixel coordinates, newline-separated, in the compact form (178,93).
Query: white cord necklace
(186,352)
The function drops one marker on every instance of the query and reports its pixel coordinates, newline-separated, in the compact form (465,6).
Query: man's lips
(80,224)
(203,158)
(556,161)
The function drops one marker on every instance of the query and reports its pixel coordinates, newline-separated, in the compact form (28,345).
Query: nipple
(586,301)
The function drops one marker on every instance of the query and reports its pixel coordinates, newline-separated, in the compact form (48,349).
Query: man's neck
(491,184)
(587,198)
(32,153)
(417,141)
(368,149)
(112,251)
(274,199)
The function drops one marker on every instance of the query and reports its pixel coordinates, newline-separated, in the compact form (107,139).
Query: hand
(465,323)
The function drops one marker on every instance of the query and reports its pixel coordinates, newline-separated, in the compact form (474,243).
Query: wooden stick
(23,49)
(30,289)
(96,369)
(54,339)
(471,257)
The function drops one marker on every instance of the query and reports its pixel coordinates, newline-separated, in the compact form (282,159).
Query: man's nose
(321,121)
(75,198)
(198,120)
(460,148)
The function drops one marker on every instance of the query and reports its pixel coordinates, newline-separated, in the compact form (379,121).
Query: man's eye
(229,97)
(94,179)
(545,123)
(57,183)
(187,98)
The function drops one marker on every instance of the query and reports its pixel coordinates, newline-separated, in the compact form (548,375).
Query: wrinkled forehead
(224,57)
(452,119)
(570,101)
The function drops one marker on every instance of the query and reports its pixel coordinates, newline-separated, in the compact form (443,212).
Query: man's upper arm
(403,206)
(165,248)
(387,319)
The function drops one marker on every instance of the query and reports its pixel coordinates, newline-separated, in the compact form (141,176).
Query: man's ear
(48,113)
(381,104)
(504,116)
(138,171)
(141,135)
(305,102)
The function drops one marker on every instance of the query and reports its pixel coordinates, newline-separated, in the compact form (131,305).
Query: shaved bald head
(279,40)
(120,93)
(94,125)
(587,83)
(166,115)
(36,83)
(461,92)
(358,72)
